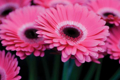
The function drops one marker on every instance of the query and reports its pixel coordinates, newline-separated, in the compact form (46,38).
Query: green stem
(32,66)
(116,75)
(72,62)
(45,66)
(65,71)
(55,75)
(75,75)
(97,77)
(90,72)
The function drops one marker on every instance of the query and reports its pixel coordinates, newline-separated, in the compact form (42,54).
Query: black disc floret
(31,33)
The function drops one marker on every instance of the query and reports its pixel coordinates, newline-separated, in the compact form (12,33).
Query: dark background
(109,67)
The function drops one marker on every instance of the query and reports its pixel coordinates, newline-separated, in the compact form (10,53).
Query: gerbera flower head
(19,33)
(107,9)
(113,43)
(52,3)
(9,68)
(69,29)
(7,6)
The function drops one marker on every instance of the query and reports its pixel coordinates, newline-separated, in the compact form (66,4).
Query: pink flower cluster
(84,30)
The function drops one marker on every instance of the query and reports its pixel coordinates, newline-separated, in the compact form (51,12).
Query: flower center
(7,11)
(109,24)
(31,34)
(7,8)
(112,21)
(72,31)
(27,33)
(106,14)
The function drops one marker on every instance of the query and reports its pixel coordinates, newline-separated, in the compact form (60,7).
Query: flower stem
(72,62)
(55,75)
(65,71)
(76,72)
(97,77)
(116,75)
(45,66)
(32,66)
(90,72)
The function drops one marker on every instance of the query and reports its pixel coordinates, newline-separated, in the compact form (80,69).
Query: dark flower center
(7,11)
(112,21)
(71,32)
(109,24)
(32,3)
(108,13)
(31,33)
(0,76)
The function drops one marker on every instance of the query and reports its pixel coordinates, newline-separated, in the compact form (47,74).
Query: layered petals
(9,68)
(113,43)
(69,29)
(18,32)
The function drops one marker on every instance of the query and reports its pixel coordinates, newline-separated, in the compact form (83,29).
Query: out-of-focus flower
(69,28)
(113,43)
(52,3)
(9,68)
(7,6)
(107,9)
(18,32)
(112,21)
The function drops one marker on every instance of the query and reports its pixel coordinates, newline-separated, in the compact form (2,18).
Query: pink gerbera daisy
(113,43)
(19,33)
(7,6)
(52,3)
(69,29)
(9,68)
(104,8)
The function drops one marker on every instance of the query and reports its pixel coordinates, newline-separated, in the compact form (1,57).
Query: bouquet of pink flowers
(77,30)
